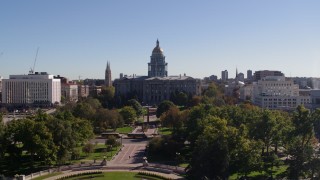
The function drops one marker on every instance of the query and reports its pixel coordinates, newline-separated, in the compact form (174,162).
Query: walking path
(129,154)
(130,159)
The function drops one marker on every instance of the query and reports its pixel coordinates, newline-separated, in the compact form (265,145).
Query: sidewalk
(149,131)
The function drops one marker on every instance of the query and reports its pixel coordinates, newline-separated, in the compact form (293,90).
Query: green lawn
(277,172)
(124,130)
(100,151)
(116,176)
(184,165)
(165,131)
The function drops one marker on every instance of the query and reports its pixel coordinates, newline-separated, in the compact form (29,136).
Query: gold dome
(157,49)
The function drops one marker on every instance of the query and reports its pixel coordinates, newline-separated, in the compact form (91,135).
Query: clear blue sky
(199,38)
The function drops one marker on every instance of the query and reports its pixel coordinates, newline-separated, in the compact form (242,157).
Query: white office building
(276,92)
(31,89)
(70,92)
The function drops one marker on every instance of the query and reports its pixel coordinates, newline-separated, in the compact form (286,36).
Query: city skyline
(78,38)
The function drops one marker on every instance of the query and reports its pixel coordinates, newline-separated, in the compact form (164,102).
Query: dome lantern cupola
(157,49)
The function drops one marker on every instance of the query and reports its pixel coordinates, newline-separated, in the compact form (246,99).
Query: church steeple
(108,81)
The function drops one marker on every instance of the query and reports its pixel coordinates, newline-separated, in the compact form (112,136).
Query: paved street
(7,118)
(12,116)
(124,141)
(130,154)
(132,151)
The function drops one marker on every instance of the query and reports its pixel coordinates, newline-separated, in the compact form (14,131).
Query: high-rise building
(240,77)
(108,81)
(224,75)
(39,88)
(249,75)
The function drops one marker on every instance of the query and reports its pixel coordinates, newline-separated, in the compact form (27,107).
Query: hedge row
(151,174)
(80,174)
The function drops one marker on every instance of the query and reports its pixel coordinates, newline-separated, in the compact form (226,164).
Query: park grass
(165,131)
(100,151)
(124,130)
(116,176)
(277,172)
(47,176)
(121,130)
(184,165)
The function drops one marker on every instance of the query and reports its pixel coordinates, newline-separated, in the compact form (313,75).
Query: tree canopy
(163,107)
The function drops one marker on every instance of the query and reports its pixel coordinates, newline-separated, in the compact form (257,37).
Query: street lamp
(121,140)
(145,161)
(111,151)
(177,157)
(104,161)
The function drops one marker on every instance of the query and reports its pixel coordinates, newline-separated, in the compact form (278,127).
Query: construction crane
(34,64)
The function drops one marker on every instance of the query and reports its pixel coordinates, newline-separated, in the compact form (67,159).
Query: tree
(68,132)
(128,114)
(32,137)
(63,138)
(246,154)
(82,130)
(112,141)
(195,101)
(300,147)
(38,142)
(2,143)
(211,155)
(163,107)
(105,119)
(136,106)
(167,146)
(221,149)
(88,148)
(266,129)
(174,118)
(179,98)
(196,122)
(106,97)
(93,102)
(84,110)
(212,91)
(170,117)
(41,115)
